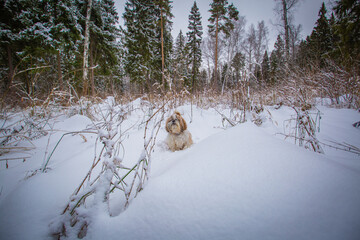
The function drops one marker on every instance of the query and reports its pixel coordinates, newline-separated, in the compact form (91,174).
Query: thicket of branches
(43,49)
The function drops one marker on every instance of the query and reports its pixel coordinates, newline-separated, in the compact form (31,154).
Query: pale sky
(306,14)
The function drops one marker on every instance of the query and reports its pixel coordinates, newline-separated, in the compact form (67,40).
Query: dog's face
(175,124)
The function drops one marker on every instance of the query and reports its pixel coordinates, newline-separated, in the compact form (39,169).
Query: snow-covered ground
(242,182)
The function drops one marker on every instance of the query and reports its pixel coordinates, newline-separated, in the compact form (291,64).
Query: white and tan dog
(179,137)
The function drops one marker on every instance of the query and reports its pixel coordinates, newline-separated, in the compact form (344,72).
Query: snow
(242,182)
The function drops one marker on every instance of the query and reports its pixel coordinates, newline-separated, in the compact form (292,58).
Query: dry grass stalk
(109,178)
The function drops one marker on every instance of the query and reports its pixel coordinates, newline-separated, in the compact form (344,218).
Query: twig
(224,117)
(343,146)
(34,68)
(14,158)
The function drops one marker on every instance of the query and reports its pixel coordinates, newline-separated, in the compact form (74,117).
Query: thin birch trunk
(216,52)
(162,48)
(92,81)
(86,48)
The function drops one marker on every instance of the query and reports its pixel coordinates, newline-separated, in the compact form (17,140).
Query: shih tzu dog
(179,137)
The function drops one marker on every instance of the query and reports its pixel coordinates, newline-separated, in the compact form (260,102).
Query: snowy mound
(242,183)
(245,182)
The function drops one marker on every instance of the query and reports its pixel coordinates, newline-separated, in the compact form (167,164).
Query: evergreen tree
(304,54)
(237,63)
(104,46)
(224,76)
(65,31)
(203,79)
(277,61)
(220,20)
(347,28)
(193,45)
(180,61)
(140,39)
(335,38)
(10,28)
(179,47)
(37,32)
(321,39)
(47,37)
(164,41)
(148,41)
(265,69)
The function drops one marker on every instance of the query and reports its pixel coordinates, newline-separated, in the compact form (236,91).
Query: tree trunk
(11,69)
(216,52)
(193,84)
(59,72)
(92,81)
(162,48)
(286,28)
(86,48)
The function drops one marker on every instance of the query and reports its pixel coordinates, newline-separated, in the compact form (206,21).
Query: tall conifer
(163,43)
(321,39)
(180,60)
(220,20)
(347,13)
(194,45)
(140,38)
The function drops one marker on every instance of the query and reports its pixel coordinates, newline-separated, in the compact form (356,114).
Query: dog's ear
(166,125)
(183,124)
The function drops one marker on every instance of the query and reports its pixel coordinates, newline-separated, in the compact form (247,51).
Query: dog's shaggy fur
(179,137)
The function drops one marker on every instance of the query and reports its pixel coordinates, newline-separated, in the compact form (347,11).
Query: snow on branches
(92,197)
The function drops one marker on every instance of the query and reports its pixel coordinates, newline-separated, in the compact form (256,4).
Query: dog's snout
(173,121)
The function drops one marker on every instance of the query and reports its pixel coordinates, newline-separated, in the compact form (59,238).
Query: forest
(272,146)
(75,48)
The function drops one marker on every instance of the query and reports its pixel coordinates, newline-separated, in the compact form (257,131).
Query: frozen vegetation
(102,171)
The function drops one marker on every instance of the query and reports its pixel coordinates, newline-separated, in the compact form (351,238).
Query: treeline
(43,45)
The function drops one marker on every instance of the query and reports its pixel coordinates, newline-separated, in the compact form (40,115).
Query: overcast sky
(254,11)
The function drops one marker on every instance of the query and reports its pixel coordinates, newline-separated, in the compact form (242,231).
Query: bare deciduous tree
(233,42)
(255,45)
(208,51)
(284,10)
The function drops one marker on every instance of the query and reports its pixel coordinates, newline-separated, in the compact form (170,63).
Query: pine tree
(48,36)
(180,60)
(224,76)
(321,39)
(104,46)
(31,36)
(265,69)
(65,31)
(347,28)
(148,41)
(237,63)
(194,45)
(304,55)
(140,39)
(220,20)
(163,43)
(277,61)
(10,27)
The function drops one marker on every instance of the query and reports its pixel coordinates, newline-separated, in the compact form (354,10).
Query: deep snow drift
(245,182)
